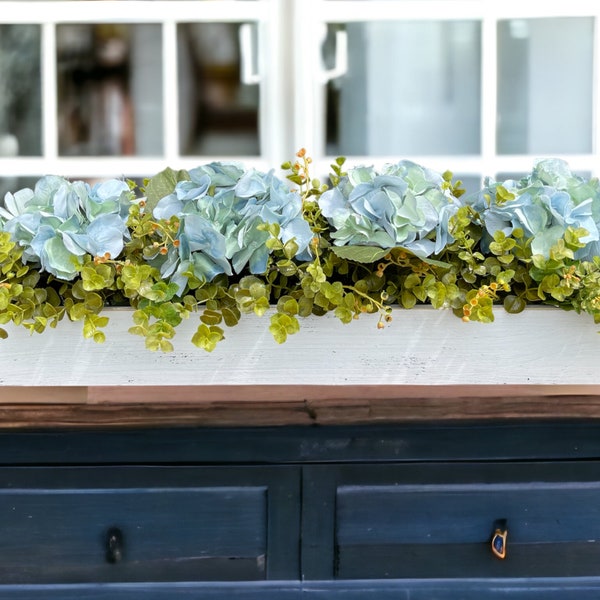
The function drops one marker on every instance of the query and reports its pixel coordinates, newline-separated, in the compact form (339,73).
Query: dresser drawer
(140,524)
(439,521)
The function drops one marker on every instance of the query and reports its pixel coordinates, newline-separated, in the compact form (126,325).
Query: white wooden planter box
(420,347)
(425,365)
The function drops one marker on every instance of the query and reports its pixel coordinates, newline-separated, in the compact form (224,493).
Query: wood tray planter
(425,365)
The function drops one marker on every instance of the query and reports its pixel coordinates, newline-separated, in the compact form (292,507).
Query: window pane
(470,183)
(218,113)
(109,89)
(20,96)
(411,88)
(545,86)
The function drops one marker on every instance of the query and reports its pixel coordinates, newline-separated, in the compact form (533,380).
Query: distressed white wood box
(421,346)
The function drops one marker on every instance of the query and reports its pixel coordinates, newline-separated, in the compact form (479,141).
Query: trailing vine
(219,242)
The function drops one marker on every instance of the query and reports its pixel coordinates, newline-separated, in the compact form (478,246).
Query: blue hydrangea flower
(403,206)
(543,204)
(59,221)
(234,204)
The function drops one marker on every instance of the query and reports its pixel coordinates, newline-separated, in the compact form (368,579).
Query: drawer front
(439,521)
(127,525)
(578,589)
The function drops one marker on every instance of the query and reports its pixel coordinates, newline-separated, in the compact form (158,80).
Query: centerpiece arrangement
(220,241)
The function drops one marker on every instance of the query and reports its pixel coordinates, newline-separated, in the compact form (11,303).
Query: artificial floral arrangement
(221,241)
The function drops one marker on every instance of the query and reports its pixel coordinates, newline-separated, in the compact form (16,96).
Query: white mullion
(489,92)
(128,11)
(48,90)
(343,11)
(108,166)
(519,9)
(596,96)
(116,166)
(276,82)
(347,11)
(144,11)
(170,92)
(307,65)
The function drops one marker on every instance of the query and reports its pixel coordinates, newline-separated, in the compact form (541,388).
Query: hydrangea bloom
(404,205)
(60,221)
(543,204)
(221,211)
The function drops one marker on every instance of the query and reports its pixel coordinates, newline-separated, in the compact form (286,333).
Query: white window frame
(291,72)
(167,13)
(489,12)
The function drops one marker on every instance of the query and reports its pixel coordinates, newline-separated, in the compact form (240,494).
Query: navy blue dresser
(448,512)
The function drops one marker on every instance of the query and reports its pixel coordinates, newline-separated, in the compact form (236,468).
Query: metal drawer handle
(499,538)
(114,545)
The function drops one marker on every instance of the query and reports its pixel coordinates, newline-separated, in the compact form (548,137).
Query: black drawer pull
(114,545)
(499,538)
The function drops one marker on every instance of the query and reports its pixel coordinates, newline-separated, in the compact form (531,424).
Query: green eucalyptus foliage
(181,248)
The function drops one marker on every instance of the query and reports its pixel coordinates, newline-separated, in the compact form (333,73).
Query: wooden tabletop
(139,406)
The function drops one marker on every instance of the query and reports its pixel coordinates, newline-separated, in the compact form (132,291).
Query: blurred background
(97,89)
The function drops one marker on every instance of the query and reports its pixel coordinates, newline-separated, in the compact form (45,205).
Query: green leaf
(231,316)
(288,305)
(77,312)
(344,314)
(166,346)
(435,263)
(163,184)
(278,332)
(514,304)
(97,277)
(411,281)
(152,343)
(261,306)
(420,292)
(137,330)
(93,302)
(207,337)
(305,306)
(211,317)
(139,317)
(88,329)
(101,321)
(361,254)
(290,249)
(408,299)
(283,325)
